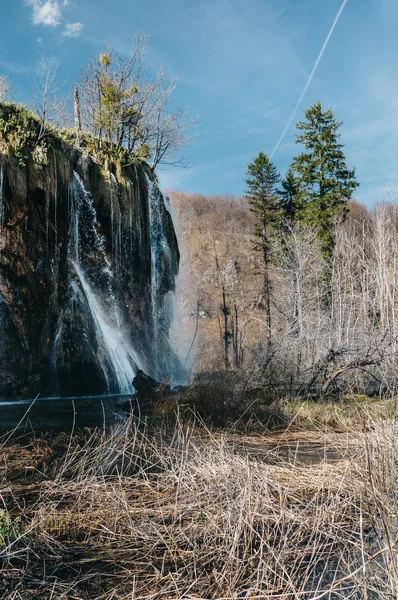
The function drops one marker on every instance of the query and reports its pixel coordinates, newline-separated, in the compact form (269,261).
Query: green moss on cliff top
(23,131)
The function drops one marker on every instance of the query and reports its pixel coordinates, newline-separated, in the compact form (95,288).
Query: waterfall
(116,228)
(112,207)
(131,199)
(1,204)
(1,215)
(55,200)
(121,356)
(110,331)
(88,262)
(55,271)
(138,207)
(161,261)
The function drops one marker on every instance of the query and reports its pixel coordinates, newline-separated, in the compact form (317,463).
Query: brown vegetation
(188,513)
(334,319)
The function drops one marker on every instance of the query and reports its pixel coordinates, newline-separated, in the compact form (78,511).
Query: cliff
(88,260)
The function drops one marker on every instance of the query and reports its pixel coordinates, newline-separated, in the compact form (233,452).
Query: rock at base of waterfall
(146,386)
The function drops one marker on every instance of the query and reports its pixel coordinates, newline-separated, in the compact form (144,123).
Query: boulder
(146,386)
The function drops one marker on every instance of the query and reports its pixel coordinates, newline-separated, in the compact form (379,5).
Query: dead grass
(351,413)
(190,513)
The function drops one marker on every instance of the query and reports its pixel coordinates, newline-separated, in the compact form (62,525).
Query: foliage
(263,200)
(116,110)
(262,196)
(20,128)
(326,183)
(124,102)
(105,153)
(288,196)
(10,529)
(40,155)
(123,105)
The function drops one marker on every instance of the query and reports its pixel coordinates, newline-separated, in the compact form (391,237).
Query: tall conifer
(263,199)
(326,183)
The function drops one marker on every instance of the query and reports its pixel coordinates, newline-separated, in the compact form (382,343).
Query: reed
(194,513)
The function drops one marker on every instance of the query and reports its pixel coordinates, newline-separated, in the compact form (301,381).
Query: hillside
(215,237)
(333,320)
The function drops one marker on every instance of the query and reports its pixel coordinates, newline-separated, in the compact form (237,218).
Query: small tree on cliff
(263,199)
(325,181)
(125,102)
(47,99)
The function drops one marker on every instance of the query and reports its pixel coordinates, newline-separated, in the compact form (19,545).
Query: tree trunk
(76,105)
(226,332)
(267,294)
(236,339)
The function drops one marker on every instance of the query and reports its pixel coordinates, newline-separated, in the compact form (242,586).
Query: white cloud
(46,12)
(49,12)
(73,29)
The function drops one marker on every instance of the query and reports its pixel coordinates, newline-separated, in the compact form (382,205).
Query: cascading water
(110,334)
(1,204)
(116,225)
(55,220)
(110,330)
(161,267)
(139,215)
(1,214)
(55,199)
(87,270)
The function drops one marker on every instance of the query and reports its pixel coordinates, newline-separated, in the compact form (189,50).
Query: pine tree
(326,183)
(263,199)
(289,196)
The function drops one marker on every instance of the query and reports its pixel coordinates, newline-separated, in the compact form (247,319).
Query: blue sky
(241,67)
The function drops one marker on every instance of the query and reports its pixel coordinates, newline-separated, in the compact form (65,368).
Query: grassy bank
(352,412)
(227,403)
(190,513)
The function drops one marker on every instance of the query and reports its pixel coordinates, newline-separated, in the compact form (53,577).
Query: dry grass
(189,513)
(352,412)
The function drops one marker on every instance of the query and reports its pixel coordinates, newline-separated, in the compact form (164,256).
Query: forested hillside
(334,323)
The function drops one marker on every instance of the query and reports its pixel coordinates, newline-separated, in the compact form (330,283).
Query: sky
(242,66)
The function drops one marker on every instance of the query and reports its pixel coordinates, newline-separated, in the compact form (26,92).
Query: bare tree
(172,131)
(347,343)
(127,103)
(47,102)
(5,87)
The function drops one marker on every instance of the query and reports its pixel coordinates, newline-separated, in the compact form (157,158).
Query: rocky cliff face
(88,260)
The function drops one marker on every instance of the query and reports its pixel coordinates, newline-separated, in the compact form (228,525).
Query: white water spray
(55,199)
(1,204)
(159,251)
(110,336)
(110,330)
(310,78)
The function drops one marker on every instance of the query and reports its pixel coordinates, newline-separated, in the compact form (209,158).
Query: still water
(62,414)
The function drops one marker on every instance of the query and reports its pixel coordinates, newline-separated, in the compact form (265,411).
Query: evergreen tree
(325,181)
(263,199)
(116,109)
(289,196)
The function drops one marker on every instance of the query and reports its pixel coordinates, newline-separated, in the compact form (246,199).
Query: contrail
(310,78)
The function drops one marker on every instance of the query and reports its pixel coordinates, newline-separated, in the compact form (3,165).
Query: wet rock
(78,243)
(146,386)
